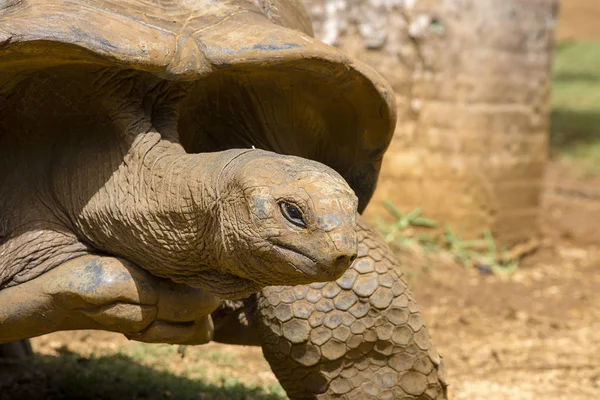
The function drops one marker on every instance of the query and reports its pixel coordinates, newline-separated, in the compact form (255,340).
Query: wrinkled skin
(213,220)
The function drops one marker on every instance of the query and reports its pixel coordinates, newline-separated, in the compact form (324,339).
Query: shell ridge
(224,19)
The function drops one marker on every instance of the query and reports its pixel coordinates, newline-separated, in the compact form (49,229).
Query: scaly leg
(359,337)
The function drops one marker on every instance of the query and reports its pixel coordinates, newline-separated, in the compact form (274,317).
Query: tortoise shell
(254,75)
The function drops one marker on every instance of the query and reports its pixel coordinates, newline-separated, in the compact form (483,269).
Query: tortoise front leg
(356,338)
(106,293)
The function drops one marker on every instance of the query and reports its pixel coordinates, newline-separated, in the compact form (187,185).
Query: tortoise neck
(159,207)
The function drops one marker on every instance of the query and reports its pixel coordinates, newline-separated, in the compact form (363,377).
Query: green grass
(575,118)
(407,230)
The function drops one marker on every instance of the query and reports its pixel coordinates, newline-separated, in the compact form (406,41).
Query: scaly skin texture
(360,337)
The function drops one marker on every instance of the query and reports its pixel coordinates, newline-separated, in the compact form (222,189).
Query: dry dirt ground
(532,335)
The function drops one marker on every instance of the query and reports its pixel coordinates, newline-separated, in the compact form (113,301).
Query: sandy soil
(534,334)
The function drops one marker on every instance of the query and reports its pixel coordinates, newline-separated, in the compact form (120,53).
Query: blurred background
(489,193)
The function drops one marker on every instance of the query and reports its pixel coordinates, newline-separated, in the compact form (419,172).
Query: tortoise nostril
(347,260)
(340,264)
(340,259)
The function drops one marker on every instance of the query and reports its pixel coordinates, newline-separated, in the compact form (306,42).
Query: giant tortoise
(158,155)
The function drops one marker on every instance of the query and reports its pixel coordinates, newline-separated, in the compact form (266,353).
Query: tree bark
(472,79)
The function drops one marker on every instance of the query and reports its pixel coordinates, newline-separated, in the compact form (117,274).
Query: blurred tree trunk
(473,80)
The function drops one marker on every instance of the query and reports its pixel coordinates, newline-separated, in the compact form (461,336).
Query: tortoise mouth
(309,269)
(306,265)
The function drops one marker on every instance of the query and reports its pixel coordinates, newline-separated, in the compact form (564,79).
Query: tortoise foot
(16,350)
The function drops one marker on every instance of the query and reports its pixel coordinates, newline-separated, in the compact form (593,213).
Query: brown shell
(257,76)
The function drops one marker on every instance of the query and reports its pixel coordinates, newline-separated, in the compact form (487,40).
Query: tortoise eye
(292,214)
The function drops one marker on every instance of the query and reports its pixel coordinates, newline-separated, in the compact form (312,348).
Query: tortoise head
(287,219)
